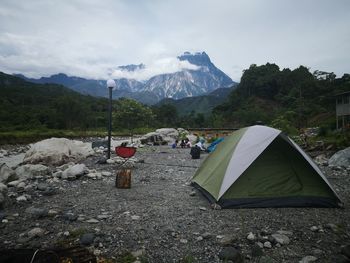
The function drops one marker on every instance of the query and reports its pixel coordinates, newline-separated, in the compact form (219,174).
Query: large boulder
(152,137)
(7,174)
(74,171)
(341,158)
(57,151)
(165,136)
(31,171)
(168,132)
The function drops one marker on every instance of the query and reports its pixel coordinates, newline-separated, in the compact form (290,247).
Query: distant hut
(343,110)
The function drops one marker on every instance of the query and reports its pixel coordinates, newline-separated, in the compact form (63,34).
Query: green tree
(131,114)
(166,115)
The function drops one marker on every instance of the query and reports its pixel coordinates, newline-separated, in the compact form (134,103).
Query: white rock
(135,217)
(110,161)
(200,238)
(267,244)
(56,151)
(314,228)
(168,132)
(21,198)
(281,239)
(74,171)
(92,221)
(36,232)
(31,171)
(12,161)
(340,158)
(4,221)
(91,175)
(103,216)
(7,174)
(183,241)
(308,259)
(105,173)
(251,236)
(52,212)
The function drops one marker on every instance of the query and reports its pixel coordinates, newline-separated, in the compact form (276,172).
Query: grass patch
(188,259)
(73,235)
(77,232)
(126,257)
(30,136)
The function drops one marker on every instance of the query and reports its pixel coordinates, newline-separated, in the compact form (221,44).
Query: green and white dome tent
(259,166)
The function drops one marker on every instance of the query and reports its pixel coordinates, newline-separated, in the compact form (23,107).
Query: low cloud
(157,67)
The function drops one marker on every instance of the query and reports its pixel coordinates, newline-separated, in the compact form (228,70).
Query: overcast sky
(90,38)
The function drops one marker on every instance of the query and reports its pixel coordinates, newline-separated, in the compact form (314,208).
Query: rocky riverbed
(161,218)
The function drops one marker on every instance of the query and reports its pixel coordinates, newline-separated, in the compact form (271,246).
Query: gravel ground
(163,218)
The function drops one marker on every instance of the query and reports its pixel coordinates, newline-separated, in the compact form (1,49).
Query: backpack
(195,152)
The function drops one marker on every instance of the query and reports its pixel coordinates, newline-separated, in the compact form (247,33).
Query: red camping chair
(125,152)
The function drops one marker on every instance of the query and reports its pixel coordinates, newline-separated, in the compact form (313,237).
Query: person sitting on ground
(174,145)
(183,144)
(200,144)
(188,143)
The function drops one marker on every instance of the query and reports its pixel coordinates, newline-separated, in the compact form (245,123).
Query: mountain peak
(196,58)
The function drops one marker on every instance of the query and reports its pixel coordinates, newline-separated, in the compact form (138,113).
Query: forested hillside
(201,104)
(283,98)
(25,105)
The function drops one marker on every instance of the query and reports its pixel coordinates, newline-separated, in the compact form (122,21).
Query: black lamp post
(110,85)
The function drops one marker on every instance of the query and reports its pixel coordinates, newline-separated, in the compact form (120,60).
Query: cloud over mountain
(165,65)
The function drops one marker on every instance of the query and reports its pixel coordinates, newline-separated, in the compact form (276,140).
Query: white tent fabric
(253,142)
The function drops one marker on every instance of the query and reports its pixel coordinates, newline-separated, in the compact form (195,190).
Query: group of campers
(195,149)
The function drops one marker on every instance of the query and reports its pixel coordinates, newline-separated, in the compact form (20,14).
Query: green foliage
(131,114)
(284,123)
(166,115)
(269,94)
(25,105)
(339,139)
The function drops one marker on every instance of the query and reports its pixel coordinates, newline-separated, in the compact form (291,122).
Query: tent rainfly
(258,166)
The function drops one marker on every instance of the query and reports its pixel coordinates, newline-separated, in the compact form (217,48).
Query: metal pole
(109,123)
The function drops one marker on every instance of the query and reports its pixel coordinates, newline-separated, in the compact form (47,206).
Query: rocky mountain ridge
(181,84)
